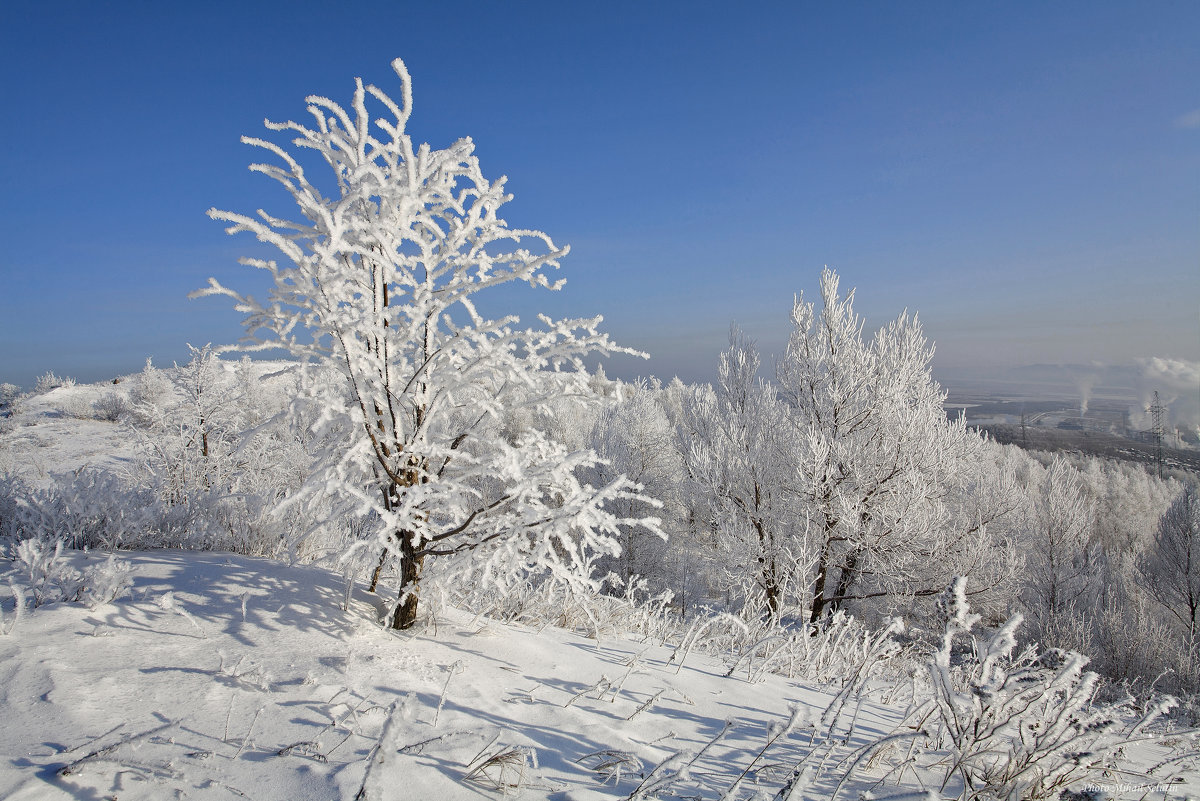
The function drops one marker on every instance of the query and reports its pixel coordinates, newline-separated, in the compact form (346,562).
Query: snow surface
(224,676)
(247,658)
(43,438)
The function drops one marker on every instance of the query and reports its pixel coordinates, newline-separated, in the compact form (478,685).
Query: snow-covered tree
(634,437)
(148,393)
(1062,562)
(734,442)
(379,290)
(1169,570)
(873,454)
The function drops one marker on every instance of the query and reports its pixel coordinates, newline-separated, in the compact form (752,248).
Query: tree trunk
(410,577)
(378,570)
(848,573)
(771,589)
(818,598)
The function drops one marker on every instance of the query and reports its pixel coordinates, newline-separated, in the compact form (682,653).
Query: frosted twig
(417,748)
(632,663)
(168,603)
(96,739)
(306,748)
(100,753)
(775,732)
(674,769)
(246,739)
(374,758)
(228,715)
(671,735)
(455,668)
(612,763)
(600,687)
(871,748)
(483,750)
(647,704)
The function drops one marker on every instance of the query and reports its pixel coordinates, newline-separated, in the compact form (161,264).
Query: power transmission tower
(1156,417)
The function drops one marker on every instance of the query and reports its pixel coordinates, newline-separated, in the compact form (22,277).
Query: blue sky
(1026,176)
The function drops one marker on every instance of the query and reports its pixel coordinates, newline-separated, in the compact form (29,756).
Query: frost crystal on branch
(378,290)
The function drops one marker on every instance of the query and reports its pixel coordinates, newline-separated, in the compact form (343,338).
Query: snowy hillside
(251,681)
(206,674)
(221,676)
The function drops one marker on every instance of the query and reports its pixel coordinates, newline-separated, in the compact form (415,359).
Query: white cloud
(1189,120)
(1178,383)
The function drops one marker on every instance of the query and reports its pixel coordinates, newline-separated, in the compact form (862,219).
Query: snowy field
(214,675)
(222,676)
(249,680)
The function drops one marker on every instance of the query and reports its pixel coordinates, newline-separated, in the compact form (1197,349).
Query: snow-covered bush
(149,391)
(1020,725)
(830,653)
(76,405)
(49,576)
(107,581)
(12,403)
(18,596)
(543,601)
(48,381)
(111,407)
(95,508)
(8,396)
(1133,646)
(22,513)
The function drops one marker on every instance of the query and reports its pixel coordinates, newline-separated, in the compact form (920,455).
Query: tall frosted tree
(1170,568)
(873,457)
(378,288)
(733,439)
(1062,566)
(843,480)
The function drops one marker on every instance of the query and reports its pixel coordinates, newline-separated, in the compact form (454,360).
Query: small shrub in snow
(77,406)
(169,603)
(836,650)
(148,393)
(8,395)
(96,509)
(111,407)
(51,577)
(1020,726)
(18,595)
(506,769)
(50,381)
(107,581)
